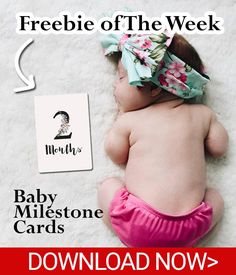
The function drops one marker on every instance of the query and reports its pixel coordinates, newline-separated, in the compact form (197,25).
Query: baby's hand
(117,142)
(216,141)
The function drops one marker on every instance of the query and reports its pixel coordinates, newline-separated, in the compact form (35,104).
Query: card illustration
(63,133)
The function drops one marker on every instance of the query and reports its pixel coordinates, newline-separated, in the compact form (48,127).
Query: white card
(63,133)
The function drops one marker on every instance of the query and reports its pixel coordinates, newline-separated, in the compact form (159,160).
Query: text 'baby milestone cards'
(63,132)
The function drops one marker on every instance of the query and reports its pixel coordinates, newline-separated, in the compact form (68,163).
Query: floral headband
(146,58)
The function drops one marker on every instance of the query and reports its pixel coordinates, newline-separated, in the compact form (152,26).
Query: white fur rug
(75,64)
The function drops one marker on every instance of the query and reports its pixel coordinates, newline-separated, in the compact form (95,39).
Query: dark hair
(186,52)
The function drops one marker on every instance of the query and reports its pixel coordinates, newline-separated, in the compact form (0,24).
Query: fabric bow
(146,58)
(141,53)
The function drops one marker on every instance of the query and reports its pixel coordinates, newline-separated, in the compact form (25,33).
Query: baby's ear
(155,92)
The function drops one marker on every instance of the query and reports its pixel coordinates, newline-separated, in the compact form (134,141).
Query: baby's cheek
(115,93)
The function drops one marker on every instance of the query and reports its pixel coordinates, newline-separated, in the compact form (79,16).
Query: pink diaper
(137,224)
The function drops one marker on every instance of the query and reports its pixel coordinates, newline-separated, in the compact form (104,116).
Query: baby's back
(166,165)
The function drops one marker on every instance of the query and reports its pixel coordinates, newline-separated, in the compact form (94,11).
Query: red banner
(23,261)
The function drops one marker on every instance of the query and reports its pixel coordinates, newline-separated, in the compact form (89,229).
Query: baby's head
(130,98)
(152,70)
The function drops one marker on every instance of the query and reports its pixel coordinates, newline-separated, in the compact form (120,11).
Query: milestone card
(63,133)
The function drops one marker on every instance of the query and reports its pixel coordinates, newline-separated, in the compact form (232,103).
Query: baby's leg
(106,192)
(214,199)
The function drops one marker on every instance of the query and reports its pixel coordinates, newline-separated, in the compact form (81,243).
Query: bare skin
(163,142)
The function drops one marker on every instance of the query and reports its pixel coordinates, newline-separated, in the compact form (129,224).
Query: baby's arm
(117,142)
(216,141)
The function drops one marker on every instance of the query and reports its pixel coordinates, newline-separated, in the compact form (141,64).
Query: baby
(163,199)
